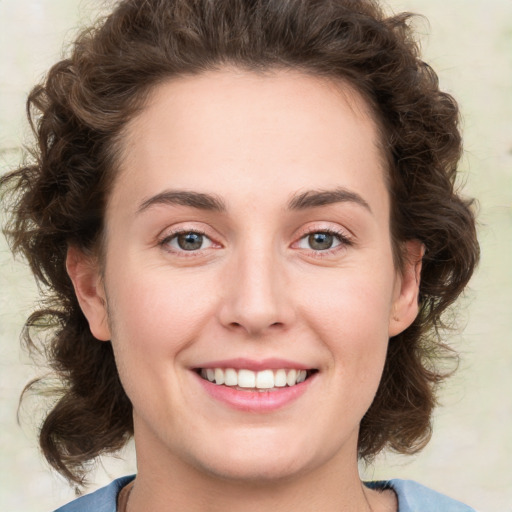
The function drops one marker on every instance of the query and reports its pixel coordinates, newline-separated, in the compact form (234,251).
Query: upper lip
(255,365)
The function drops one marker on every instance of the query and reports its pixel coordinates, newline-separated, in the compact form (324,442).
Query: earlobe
(86,278)
(405,306)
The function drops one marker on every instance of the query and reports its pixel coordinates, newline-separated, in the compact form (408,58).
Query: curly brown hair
(78,114)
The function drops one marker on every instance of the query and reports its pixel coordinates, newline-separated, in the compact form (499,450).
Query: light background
(469,44)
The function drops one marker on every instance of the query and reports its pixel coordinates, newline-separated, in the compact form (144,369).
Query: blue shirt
(412,497)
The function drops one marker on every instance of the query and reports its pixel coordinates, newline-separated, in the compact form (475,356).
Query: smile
(249,380)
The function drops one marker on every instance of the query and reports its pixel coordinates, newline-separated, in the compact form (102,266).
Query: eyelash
(343,239)
(165,242)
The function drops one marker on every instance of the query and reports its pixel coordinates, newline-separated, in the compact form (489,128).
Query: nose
(255,298)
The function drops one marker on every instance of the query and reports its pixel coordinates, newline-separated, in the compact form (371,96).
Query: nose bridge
(255,298)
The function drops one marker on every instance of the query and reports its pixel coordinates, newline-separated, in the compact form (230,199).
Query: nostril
(238,325)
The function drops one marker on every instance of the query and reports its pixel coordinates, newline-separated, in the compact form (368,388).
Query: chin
(255,470)
(258,462)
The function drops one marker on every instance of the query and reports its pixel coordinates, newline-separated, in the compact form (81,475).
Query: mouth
(260,381)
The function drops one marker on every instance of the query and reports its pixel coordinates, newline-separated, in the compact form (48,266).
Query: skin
(255,289)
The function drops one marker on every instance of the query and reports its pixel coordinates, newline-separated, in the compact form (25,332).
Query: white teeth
(219,376)
(230,377)
(265,379)
(280,379)
(246,379)
(291,377)
(301,377)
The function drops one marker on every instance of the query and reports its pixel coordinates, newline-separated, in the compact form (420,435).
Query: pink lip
(256,366)
(255,401)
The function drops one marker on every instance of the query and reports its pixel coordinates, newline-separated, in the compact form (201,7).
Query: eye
(321,241)
(188,241)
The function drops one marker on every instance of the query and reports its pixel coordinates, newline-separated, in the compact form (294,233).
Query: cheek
(154,317)
(153,322)
(350,315)
(354,304)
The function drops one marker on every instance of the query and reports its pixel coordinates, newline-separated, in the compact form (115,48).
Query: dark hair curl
(78,114)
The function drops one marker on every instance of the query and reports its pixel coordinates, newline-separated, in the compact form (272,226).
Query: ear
(85,275)
(407,287)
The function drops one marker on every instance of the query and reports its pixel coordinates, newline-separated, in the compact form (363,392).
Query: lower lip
(256,401)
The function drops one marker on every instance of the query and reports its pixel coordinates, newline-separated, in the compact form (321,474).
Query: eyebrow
(316,198)
(185,198)
(210,202)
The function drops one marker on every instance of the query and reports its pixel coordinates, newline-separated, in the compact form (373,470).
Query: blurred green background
(469,44)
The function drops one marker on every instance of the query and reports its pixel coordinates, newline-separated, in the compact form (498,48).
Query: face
(249,275)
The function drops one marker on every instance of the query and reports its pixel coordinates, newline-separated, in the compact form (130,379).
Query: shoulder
(414,497)
(102,500)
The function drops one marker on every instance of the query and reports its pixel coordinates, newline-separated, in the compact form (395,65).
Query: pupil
(320,241)
(190,241)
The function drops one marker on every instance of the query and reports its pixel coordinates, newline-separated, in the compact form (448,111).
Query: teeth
(280,379)
(219,376)
(265,379)
(246,379)
(291,377)
(230,377)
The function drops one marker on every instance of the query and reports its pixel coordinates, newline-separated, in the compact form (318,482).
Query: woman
(245,216)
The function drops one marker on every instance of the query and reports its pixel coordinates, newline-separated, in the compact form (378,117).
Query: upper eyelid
(332,231)
(174,232)
(335,230)
(187,227)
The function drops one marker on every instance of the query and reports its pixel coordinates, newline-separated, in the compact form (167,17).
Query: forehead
(279,130)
